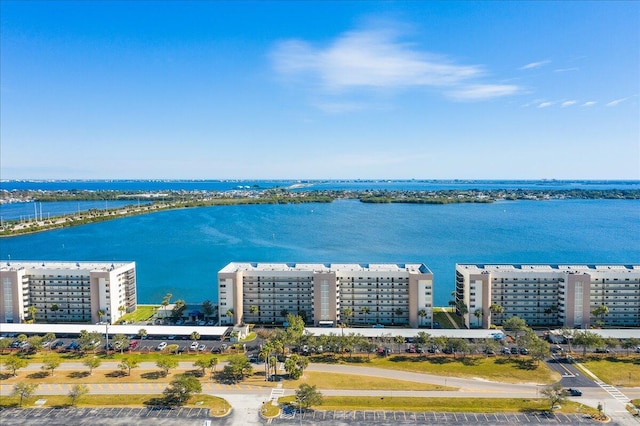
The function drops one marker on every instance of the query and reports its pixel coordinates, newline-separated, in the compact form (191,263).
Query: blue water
(227,185)
(181,251)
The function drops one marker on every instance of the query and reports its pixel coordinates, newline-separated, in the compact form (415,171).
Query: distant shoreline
(172,200)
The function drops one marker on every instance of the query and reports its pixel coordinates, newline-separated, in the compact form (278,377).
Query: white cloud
(568,103)
(589,103)
(616,102)
(566,69)
(535,65)
(545,104)
(477,92)
(376,59)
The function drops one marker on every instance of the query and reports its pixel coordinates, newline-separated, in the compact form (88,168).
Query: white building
(550,295)
(67,291)
(386,294)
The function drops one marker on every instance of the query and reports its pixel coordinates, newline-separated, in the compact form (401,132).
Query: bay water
(181,251)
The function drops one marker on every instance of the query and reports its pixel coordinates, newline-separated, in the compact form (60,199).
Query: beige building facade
(67,291)
(549,295)
(326,294)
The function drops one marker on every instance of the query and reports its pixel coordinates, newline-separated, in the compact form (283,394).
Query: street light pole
(106,329)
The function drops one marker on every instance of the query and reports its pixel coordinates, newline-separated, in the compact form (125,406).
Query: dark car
(574,392)
(514,350)
(524,351)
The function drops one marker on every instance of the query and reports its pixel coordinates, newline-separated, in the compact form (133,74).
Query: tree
(516,325)
(230,314)
(166,364)
(180,390)
(539,349)
(207,309)
(307,395)
(202,363)
(91,363)
(178,309)
(128,363)
(496,309)
(283,314)
(399,341)
(77,391)
(32,310)
(165,302)
(49,337)
(365,311)
(348,313)
(121,342)
(23,390)
(213,363)
(398,312)
(630,343)
(55,308)
(601,311)
(254,310)
(478,314)
(101,313)
(422,339)
(555,394)
(194,335)
(587,339)
(35,343)
(422,314)
(4,344)
(291,367)
(14,363)
(237,368)
(88,341)
(50,363)
(142,333)
(568,334)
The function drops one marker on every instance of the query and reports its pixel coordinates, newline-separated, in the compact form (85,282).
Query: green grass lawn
(618,371)
(357,382)
(514,369)
(468,405)
(142,313)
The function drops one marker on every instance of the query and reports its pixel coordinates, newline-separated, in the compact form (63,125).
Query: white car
(194,346)
(161,346)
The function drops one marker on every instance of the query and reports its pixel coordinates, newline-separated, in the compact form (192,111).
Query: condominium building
(67,291)
(549,295)
(326,294)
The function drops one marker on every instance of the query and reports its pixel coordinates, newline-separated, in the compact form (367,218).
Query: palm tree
(254,310)
(230,314)
(55,308)
(100,313)
(601,311)
(478,314)
(348,313)
(398,312)
(496,309)
(365,310)
(165,302)
(32,313)
(422,313)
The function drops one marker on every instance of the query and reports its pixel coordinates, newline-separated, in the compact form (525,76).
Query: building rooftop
(62,265)
(326,267)
(535,268)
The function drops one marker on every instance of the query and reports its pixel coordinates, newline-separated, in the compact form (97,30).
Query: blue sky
(316,90)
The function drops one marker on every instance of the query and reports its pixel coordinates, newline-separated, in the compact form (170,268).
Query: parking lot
(405,417)
(92,416)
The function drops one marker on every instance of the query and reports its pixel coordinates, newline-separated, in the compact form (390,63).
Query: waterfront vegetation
(168,200)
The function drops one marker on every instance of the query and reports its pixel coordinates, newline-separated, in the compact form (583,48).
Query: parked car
(514,351)
(161,346)
(194,346)
(506,351)
(602,350)
(574,392)
(57,344)
(524,351)
(202,347)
